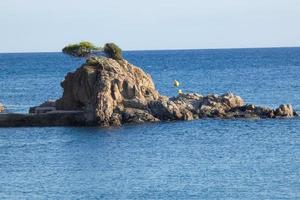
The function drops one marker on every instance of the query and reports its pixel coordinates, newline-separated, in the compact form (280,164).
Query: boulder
(132,115)
(285,110)
(164,109)
(1,108)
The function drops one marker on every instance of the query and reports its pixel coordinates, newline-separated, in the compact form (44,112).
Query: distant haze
(38,25)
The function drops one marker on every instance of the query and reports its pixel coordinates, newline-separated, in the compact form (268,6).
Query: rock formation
(108,92)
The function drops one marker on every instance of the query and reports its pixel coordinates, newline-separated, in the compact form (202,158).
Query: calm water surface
(204,159)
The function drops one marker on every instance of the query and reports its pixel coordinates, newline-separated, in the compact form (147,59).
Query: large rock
(104,87)
(164,109)
(285,111)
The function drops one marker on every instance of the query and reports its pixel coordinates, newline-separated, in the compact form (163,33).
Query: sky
(47,26)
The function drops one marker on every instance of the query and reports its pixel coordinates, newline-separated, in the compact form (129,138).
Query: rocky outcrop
(108,92)
(114,92)
(227,106)
(1,108)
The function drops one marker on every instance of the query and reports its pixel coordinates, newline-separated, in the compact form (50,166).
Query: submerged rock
(108,92)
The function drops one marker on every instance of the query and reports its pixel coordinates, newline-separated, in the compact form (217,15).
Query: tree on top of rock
(82,49)
(113,51)
(85,49)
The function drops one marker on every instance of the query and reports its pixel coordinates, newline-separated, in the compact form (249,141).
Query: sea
(201,159)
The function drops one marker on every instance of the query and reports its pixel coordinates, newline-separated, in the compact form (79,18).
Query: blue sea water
(202,159)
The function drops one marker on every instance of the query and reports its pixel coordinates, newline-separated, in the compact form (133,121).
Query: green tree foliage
(113,51)
(82,49)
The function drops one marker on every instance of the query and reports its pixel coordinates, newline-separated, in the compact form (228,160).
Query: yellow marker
(176,83)
(179,91)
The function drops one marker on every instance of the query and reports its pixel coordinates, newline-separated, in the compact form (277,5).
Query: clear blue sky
(40,25)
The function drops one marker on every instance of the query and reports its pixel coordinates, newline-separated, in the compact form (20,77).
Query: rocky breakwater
(108,92)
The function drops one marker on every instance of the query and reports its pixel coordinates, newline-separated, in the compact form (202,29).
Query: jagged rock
(189,101)
(132,115)
(164,109)
(226,101)
(1,108)
(227,106)
(285,110)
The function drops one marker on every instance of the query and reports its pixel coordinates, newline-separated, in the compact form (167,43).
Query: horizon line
(175,49)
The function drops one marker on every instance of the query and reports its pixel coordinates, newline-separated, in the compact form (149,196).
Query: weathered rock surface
(106,92)
(109,91)
(194,106)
